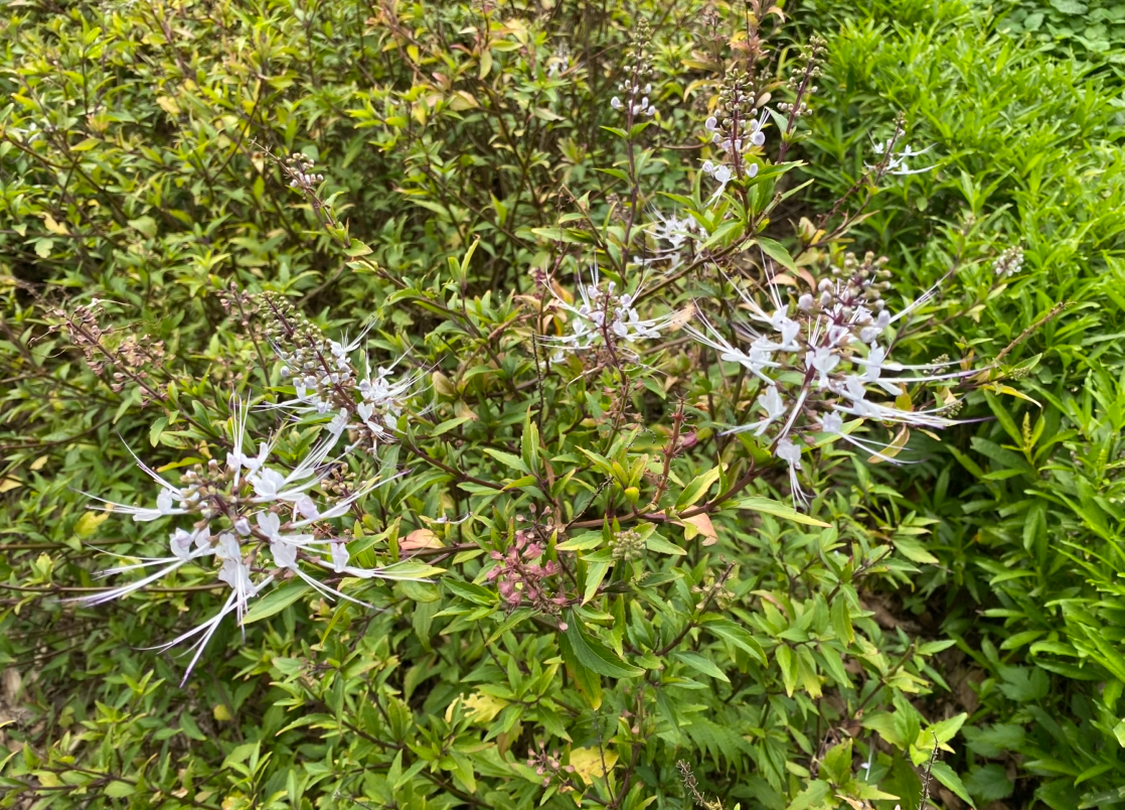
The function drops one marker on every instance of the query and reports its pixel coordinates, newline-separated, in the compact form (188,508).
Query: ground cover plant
(515,405)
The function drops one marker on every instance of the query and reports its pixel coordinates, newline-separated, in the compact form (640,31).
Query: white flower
(771,402)
(1008,263)
(896,162)
(790,453)
(832,423)
(822,360)
(212,493)
(603,313)
(339,557)
(824,357)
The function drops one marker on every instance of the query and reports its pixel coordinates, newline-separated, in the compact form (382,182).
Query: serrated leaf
(595,573)
(595,656)
(738,636)
(583,542)
(661,545)
(946,775)
(592,763)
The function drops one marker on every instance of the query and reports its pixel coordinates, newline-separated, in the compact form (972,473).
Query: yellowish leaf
(1012,392)
(442,384)
(482,709)
(681,318)
(462,410)
(588,762)
(700,525)
(168,104)
(893,449)
(420,538)
(89,522)
(53,226)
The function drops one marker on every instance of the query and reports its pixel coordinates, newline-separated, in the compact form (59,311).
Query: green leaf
(768,506)
(701,664)
(595,573)
(989,783)
(697,488)
(1119,733)
(469,591)
(812,796)
(914,551)
(1069,6)
(529,443)
(508,460)
(588,681)
(409,569)
(842,620)
(944,774)
(590,653)
(190,729)
(787,662)
(146,225)
(777,252)
(736,635)
(583,542)
(1113,796)
(156,429)
(661,545)
(118,790)
(944,731)
(276,601)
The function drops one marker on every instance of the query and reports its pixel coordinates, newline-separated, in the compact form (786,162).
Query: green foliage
(592,595)
(1086,31)
(1026,505)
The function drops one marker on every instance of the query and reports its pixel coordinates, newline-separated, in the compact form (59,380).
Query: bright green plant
(1025,504)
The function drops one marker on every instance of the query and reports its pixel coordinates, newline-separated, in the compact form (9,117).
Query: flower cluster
(549,766)
(299,169)
(801,83)
(671,235)
(636,87)
(820,364)
(634,106)
(559,61)
(735,129)
(604,318)
(521,577)
(254,523)
(1008,263)
(108,352)
(325,381)
(627,545)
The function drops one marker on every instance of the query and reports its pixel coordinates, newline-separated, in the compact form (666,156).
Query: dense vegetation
(561,404)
